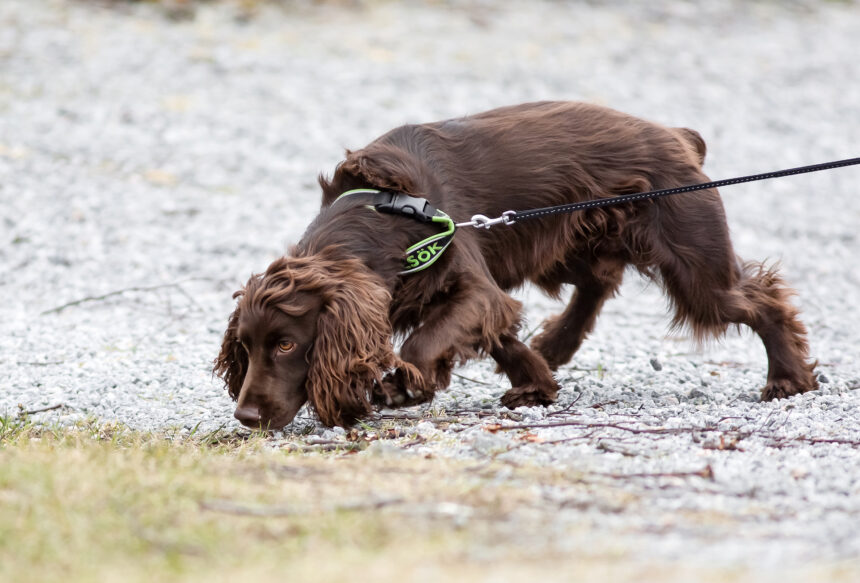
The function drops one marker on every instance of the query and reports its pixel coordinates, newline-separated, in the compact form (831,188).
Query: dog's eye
(286,346)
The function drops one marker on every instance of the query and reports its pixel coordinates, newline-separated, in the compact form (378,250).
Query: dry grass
(102,503)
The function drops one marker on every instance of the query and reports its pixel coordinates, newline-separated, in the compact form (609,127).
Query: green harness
(424,253)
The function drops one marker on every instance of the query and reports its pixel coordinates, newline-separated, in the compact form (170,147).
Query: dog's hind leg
(562,335)
(761,300)
(711,290)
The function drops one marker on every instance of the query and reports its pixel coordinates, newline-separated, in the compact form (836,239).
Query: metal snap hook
(485,222)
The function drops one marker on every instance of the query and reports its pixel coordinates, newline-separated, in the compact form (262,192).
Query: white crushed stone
(173,159)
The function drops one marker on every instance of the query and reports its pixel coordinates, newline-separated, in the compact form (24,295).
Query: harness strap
(424,253)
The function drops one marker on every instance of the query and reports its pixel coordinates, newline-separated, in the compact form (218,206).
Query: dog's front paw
(395,390)
(784,388)
(529,396)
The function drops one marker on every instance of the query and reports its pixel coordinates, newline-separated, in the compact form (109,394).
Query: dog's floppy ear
(231,364)
(352,349)
(377,166)
(347,175)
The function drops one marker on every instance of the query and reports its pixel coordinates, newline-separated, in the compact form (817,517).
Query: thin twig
(568,408)
(465,378)
(707,472)
(164,546)
(191,299)
(604,403)
(229,507)
(654,430)
(334,446)
(368,504)
(603,446)
(557,441)
(102,297)
(418,440)
(321,441)
(512,415)
(779,442)
(42,410)
(733,434)
(414,417)
(268,511)
(727,417)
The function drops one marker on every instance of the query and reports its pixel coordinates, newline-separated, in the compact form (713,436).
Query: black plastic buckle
(408,206)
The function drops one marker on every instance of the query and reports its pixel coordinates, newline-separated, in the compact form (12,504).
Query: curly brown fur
(344,273)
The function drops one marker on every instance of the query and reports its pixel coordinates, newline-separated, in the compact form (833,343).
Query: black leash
(511,217)
(424,253)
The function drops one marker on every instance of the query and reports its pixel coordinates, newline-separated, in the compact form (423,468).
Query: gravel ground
(149,163)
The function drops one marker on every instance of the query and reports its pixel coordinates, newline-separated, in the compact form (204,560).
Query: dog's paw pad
(393,392)
(784,388)
(529,396)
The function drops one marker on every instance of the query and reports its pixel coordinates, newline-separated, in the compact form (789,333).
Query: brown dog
(317,326)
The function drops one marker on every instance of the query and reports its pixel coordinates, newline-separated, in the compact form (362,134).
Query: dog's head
(310,329)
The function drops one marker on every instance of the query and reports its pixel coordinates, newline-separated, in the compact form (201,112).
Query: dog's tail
(693,138)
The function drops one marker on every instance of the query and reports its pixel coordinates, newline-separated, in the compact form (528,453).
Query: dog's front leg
(479,318)
(456,327)
(426,359)
(403,387)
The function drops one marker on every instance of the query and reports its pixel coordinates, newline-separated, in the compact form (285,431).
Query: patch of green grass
(99,502)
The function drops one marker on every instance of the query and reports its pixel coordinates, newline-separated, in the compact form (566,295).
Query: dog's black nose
(248,415)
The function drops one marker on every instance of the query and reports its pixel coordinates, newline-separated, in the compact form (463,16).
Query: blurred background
(154,154)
